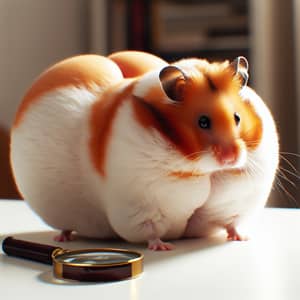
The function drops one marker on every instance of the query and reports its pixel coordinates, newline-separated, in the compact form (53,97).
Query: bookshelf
(172,29)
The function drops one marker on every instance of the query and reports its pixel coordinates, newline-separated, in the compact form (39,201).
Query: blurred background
(37,33)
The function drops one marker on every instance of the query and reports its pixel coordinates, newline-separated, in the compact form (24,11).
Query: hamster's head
(197,107)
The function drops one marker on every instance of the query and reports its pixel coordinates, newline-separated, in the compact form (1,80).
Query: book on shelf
(216,28)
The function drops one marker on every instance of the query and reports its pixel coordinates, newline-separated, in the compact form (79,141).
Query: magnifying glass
(90,265)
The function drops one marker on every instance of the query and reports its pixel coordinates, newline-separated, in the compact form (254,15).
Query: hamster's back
(48,134)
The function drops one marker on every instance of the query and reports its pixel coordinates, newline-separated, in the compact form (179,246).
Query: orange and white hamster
(130,146)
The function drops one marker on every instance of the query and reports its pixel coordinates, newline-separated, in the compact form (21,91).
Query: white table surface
(265,267)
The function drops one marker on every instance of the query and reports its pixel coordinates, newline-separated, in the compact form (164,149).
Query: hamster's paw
(154,242)
(158,245)
(64,236)
(234,235)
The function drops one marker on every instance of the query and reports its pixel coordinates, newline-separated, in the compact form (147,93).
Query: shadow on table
(182,248)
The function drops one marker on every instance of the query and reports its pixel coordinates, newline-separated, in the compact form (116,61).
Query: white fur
(46,159)
(138,189)
(147,82)
(137,199)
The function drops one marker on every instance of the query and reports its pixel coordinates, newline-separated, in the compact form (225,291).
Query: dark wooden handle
(29,250)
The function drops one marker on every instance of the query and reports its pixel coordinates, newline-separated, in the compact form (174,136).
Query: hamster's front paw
(64,236)
(234,235)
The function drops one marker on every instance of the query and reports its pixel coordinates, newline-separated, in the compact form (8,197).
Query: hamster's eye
(204,122)
(237,118)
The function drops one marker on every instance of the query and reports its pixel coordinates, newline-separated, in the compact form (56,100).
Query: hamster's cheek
(208,163)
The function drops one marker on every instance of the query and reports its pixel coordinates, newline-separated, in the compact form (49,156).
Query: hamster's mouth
(211,162)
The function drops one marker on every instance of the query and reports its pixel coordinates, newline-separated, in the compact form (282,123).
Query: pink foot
(159,245)
(64,236)
(233,235)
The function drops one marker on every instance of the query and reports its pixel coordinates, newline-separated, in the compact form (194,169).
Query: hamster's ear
(240,67)
(173,81)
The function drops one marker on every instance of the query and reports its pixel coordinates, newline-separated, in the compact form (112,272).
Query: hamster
(130,146)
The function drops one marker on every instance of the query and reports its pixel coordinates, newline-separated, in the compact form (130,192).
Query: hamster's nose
(226,154)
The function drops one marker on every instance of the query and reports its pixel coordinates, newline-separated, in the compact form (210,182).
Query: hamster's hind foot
(159,245)
(64,236)
(233,235)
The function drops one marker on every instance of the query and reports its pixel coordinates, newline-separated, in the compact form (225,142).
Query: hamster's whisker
(290,164)
(290,172)
(254,167)
(182,162)
(280,187)
(195,155)
(283,176)
(290,153)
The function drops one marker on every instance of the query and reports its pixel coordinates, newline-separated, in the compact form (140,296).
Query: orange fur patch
(80,71)
(136,63)
(103,114)
(184,175)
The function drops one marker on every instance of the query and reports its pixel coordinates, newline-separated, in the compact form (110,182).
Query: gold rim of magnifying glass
(97,272)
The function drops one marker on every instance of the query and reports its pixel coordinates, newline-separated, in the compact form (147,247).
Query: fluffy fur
(147,183)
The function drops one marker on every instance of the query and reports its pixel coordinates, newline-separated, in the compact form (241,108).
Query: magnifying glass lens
(97,264)
(96,258)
